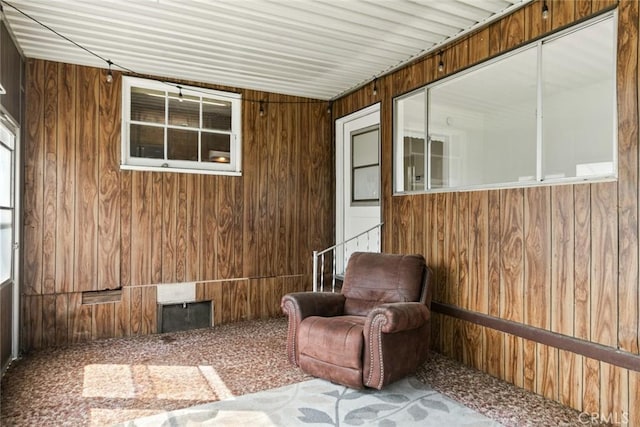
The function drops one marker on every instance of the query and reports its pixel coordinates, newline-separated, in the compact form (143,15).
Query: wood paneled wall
(90,226)
(562,258)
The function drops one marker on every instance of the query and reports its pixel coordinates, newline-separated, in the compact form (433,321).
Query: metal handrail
(320,254)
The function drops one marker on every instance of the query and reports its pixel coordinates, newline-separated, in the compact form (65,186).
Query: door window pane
(6,183)
(6,243)
(365,177)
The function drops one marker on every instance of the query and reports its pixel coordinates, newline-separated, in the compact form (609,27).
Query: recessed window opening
(180,128)
(545,113)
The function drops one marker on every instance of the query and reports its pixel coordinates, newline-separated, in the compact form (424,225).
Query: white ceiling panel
(312,48)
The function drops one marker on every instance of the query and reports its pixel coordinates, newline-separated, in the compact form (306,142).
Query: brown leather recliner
(374,332)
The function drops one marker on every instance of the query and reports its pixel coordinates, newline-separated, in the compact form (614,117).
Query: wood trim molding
(585,348)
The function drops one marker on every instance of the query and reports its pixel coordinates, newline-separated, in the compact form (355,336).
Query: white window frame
(128,162)
(539,179)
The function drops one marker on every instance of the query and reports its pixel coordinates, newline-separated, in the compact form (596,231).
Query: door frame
(13,127)
(340,126)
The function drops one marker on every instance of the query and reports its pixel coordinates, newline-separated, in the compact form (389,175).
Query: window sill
(180,170)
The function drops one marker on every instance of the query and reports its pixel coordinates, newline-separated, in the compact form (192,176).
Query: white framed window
(180,128)
(544,113)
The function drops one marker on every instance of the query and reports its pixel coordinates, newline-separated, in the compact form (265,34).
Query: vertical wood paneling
(530,368)
(614,389)
(66,162)
(135,313)
(48,320)
(493,258)
(181,229)
(86,226)
(591,386)
(141,228)
(32,321)
(582,261)
(537,257)
(50,180)
(511,254)
(109,185)
(537,25)
(478,252)
(440,291)
(169,226)
(122,314)
(33,199)
(194,227)
(634,398)
(280,193)
(156,224)
(547,371)
(62,320)
(562,259)
(627,84)
(514,360)
(563,13)
(451,248)
(463,288)
(149,321)
(79,319)
(417,225)
(479,46)
(604,272)
(103,322)
(513,30)
(125,227)
(225,235)
(582,8)
(570,387)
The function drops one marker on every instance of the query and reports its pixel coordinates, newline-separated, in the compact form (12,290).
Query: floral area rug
(407,402)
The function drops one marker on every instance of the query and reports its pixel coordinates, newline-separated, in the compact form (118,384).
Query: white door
(8,246)
(357,182)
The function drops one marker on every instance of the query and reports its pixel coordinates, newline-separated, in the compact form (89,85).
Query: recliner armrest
(300,305)
(307,304)
(399,316)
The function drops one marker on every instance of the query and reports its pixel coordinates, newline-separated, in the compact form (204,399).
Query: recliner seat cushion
(335,340)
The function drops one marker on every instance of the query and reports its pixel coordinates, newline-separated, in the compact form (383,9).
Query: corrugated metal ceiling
(312,48)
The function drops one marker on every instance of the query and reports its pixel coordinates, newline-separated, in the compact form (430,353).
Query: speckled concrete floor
(105,382)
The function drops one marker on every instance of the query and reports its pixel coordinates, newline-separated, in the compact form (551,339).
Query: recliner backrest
(373,279)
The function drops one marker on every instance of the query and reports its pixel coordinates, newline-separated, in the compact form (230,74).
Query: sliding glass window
(543,113)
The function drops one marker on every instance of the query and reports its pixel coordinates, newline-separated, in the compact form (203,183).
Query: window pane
(365,148)
(216,147)
(6,182)
(484,117)
(410,144)
(184,111)
(147,105)
(6,242)
(146,141)
(216,114)
(578,101)
(182,144)
(366,182)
